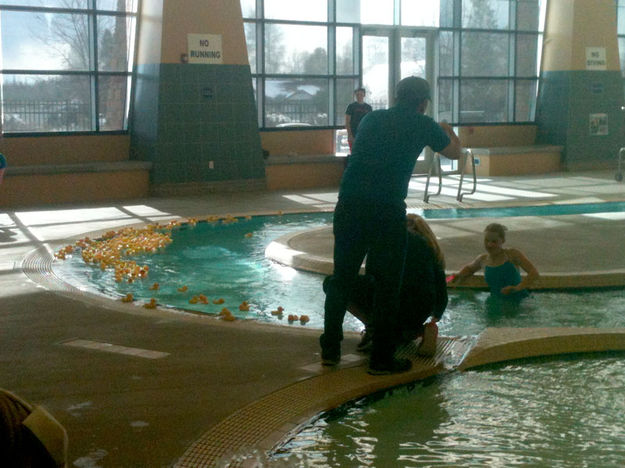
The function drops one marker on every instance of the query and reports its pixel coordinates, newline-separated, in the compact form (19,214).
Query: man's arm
(454,149)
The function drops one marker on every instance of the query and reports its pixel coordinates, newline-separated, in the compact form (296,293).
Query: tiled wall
(197,114)
(565,103)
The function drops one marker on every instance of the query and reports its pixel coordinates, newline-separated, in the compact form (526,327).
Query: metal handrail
(461,170)
(619,173)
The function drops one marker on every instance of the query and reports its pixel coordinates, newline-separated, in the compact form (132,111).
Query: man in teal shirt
(370,217)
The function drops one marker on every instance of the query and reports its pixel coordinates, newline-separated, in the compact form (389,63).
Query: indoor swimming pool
(538,412)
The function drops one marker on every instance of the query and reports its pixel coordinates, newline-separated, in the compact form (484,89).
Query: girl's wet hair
(498,229)
(416,224)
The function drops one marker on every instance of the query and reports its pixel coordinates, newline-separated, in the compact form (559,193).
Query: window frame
(93,74)
(456,77)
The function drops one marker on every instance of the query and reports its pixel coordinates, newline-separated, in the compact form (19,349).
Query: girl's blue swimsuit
(500,276)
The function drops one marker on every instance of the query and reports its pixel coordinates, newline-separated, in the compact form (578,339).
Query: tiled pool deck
(137,387)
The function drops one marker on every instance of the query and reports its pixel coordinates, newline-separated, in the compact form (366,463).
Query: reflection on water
(542,412)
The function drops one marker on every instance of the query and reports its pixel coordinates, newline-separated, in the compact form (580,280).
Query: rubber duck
(226,315)
(183,288)
(304,319)
(128,298)
(244,306)
(292,318)
(194,300)
(203,299)
(218,301)
(249,234)
(155,286)
(150,305)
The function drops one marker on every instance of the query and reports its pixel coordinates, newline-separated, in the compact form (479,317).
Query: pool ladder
(435,165)
(619,173)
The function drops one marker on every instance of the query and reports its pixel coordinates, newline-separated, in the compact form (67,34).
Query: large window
(620,15)
(489,60)
(66,65)
(306,57)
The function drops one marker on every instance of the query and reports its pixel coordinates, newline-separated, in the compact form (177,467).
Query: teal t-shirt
(385,152)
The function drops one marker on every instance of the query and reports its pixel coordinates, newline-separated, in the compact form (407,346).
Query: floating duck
(203,299)
(183,288)
(194,300)
(155,286)
(226,315)
(249,234)
(244,306)
(151,305)
(304,319)
(292,318)
(277,313)
(218,301)
(128,298)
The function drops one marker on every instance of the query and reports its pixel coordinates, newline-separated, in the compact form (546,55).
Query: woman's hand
(509,290)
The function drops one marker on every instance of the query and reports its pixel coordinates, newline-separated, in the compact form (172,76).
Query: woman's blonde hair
(417,225)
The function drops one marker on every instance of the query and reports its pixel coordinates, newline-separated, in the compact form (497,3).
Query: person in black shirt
(354,114)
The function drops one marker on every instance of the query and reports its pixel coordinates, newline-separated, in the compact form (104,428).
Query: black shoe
(330,352)
(330,359)
(366,341)
(391,366)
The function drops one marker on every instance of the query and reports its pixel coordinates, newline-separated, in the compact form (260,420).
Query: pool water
(227,261)
(543,412)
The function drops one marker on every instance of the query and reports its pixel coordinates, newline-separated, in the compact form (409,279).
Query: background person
(354,114)
(30,437)
(370,217)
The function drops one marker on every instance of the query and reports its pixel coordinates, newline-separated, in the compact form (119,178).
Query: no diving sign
(204,48)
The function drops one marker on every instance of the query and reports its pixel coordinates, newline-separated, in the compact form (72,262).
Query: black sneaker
(366,341)
(392,366)
(330,359)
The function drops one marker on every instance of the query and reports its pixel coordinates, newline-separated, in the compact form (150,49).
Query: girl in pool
(501,266)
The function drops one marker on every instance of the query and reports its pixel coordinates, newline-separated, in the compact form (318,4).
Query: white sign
(598,124)
(595,58)
(204,48)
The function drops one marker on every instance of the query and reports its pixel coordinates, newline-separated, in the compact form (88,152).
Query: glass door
(390,54)
(377,67)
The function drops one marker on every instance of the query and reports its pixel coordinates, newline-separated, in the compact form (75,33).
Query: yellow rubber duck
(150,305)
(155,286)
(128,298)
(183,288)
(244,306)
(304,319)
(218,301)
